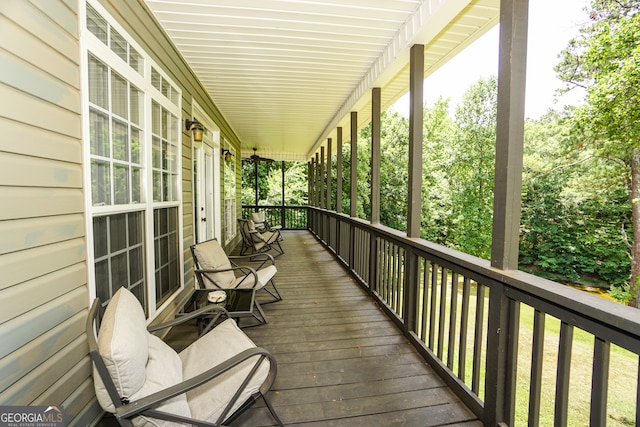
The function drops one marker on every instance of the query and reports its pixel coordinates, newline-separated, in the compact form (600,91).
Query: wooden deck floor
(341,361)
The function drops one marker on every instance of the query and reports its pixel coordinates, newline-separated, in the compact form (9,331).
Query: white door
(205,192)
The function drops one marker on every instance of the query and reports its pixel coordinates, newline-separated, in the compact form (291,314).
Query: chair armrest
(149,402)
(209,309)
(244,269)
(264,257)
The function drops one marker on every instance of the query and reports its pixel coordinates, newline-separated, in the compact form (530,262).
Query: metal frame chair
(214,269)
(254,241)
(141,380)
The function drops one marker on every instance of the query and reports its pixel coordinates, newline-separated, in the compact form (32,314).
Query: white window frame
(90,44)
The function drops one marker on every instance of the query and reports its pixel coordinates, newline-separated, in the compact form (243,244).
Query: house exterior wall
(44,291)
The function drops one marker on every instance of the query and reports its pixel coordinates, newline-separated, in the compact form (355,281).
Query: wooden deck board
(341,361)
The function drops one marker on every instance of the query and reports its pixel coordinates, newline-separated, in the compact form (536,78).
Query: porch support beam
(329,143)
(375,154)
(353,182)
(339,170)
(499,400)
(310,175)
(416,119)
(322,177)
(316,179)
(509,133)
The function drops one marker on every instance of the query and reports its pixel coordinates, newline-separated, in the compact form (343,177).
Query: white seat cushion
(264,275)
(223,342)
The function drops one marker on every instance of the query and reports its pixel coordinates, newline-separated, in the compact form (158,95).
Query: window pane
(98,78)
(135,146)
(118,232)
(120,140)
(136,185)
(121,184)
(122,262)
(157,153)
(119,271)
(96,24)
(119,96)
(100,244)
(100,183)
(167,271)
(103,285)
(135,60)
(157,186)
(99,133)
(136,101)
(156,80)
(118,44)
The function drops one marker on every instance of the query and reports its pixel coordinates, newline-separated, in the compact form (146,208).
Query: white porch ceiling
(286,73)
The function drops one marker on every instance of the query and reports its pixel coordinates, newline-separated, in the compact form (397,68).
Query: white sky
(552,23)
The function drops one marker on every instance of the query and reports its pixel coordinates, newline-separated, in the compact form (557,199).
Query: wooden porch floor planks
(341,361)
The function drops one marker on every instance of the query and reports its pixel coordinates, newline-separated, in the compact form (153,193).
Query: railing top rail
(616,315)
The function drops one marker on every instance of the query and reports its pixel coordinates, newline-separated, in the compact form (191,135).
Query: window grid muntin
(114,180)
(132,252)
(166,248)
(165,150)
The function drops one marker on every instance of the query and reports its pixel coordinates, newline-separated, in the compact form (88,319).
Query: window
(134,152)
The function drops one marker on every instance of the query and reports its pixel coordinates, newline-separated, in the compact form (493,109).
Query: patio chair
(254,241)
(144,382)
(214,269)
(260,222)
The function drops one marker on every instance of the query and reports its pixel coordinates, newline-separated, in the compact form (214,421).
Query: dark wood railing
(289,217)
(479,326)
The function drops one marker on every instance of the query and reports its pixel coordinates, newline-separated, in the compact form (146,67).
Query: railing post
(499,376)
(411,274)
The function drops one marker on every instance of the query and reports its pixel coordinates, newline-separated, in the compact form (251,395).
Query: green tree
(605,60)
(471,168)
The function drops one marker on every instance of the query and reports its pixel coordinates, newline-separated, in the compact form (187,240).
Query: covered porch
(341,360)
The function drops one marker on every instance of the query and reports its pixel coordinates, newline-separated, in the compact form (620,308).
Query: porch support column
(509,133)
(339,171)
(353,182)
(317,180)
(329,174)
(416,85)
(282,213)
(414,208)
(501,333)
(322,177)
(375,154)
(310,175)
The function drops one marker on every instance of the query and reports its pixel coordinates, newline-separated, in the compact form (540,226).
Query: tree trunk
(634,197)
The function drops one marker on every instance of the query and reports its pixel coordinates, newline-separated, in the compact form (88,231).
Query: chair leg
(264,317)
(273,411)
(275,293)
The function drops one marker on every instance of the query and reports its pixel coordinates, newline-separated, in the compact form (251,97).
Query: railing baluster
(478,339)
(425,300)
(464,328)
(600,382)
(453,314)
(562,375)
(432,308)
(442,313)
(537,355)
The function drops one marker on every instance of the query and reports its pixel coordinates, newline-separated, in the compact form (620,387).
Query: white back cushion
(211,256)
(123,345)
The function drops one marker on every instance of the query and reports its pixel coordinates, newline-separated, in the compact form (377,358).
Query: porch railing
(289,217)
(479,326)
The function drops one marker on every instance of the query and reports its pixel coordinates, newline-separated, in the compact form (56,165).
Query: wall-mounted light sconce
(196,127)
(227,155)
